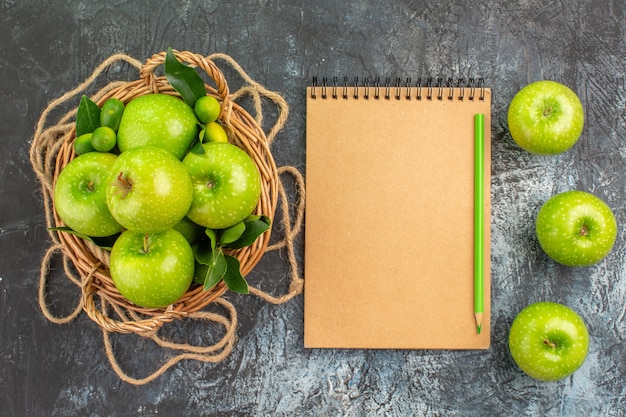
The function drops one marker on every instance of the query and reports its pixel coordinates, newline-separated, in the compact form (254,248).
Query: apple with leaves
(548,341)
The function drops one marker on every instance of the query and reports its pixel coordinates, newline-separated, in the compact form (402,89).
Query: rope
(291,231)
(210,354)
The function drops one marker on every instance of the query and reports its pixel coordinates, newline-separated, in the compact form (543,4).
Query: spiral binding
(428,88)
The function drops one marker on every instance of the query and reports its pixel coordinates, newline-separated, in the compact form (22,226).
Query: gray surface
(49,47)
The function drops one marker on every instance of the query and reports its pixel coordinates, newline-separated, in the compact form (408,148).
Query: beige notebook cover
(389,246)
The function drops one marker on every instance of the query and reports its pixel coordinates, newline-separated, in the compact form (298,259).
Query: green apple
(576,228)
(148,190)
(192,232)
(546,118)
(158,120)
(226,185)
(80,195)
(548,341)
(152,270)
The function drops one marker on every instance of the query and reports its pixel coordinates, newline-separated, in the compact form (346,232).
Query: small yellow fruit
(214,132)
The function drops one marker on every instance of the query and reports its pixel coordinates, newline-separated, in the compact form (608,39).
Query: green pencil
(479,219)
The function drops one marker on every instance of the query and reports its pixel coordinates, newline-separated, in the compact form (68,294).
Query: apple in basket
(152,270)
(149,190)
(158,120)
(80,195)
(226,185)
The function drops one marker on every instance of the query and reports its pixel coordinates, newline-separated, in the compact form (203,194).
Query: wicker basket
(99,294)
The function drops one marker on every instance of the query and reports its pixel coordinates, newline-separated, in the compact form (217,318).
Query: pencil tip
(479,322)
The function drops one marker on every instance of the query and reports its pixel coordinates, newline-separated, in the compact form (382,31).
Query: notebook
(389,237)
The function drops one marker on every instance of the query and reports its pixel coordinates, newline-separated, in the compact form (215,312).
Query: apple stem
(547,111)
(549,343)
(124,183)
(90,186)
(584,231)
(146,246)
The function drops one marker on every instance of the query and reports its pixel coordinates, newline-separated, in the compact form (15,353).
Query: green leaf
(72,232)
(184,79)
(208,280)
(233,278)
(199,273)
(66,229)
(87,116)
(196,147)
(254,229)
(217,269)
(211,264)
(203,252)
(232,233)
(105,242)
(212,234)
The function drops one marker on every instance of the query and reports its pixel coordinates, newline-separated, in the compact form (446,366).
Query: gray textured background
(50,46)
